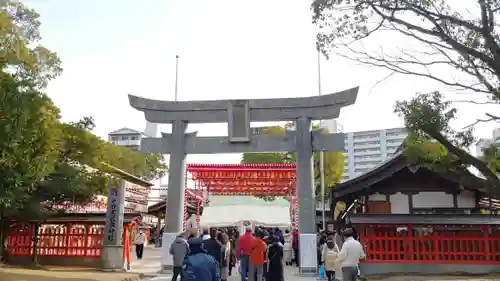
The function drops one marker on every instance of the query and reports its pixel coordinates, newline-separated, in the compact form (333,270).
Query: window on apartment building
(124,137)
(368,143)
(365,149)
(362,170)
(134,137)
(114,138)
(366,157)
(367,162)
(392,134)
(367,135)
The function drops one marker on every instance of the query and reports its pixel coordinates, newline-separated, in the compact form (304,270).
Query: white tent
(233,210)
(217,216)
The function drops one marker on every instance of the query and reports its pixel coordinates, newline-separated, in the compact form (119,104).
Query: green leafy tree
(29,141)
(31,64)
(29,131)
(80,174)
(82,166)
(333,161)
(28,117)
(434,143)
(45,162)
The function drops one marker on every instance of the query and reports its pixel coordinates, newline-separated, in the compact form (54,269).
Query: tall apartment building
(482,143)
(126,137)
(365,150)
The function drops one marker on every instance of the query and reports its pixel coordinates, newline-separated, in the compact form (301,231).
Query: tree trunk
(466,158)
(3,237)
(35,245)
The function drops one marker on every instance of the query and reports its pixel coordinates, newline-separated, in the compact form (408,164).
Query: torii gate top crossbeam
(261,110)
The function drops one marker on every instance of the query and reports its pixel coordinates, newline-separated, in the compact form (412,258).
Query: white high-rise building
(331,125)
(365,150)
(482,143)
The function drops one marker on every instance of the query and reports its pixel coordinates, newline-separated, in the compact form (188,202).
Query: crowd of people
(261,254)
(339,254)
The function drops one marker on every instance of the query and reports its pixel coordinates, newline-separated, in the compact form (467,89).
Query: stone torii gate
(238,114)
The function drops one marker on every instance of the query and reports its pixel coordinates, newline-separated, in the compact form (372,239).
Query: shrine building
(415,220)
(74,236)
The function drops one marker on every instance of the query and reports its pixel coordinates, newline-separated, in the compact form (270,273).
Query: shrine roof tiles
(396,164)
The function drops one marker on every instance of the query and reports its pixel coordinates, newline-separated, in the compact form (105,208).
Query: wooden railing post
(69,238)
(437,243)
(486,239)
(410,243)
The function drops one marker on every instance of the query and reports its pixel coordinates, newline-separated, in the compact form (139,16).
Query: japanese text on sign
(113,215)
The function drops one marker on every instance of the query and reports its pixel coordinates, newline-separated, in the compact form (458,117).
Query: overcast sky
(228,49)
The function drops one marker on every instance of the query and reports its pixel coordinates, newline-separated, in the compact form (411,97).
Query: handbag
(322,272)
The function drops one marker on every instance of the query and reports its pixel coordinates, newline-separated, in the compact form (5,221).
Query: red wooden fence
(57,240)
(431,244)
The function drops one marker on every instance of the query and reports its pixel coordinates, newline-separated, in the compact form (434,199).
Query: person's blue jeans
(244,264)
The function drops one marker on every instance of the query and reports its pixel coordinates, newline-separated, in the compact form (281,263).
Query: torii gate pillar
(305,177)
(238,114)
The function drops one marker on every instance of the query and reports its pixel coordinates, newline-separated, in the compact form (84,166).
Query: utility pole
(321,154)
(175,99)
(176,75)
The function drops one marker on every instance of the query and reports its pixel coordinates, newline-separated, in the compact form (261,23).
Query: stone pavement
(64,274)
(492,277)
(291,274)
(150,264)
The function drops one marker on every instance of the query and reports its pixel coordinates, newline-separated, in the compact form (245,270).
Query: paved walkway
(150,264)
(63,274)
(290,275)
(436,278)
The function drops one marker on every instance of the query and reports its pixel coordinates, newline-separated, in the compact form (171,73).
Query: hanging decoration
(240,180)
(244,179)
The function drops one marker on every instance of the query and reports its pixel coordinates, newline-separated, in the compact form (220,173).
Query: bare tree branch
(474,102)
(478,121)
(467,42)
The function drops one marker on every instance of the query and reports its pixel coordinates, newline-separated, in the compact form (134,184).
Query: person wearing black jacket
(213,246)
